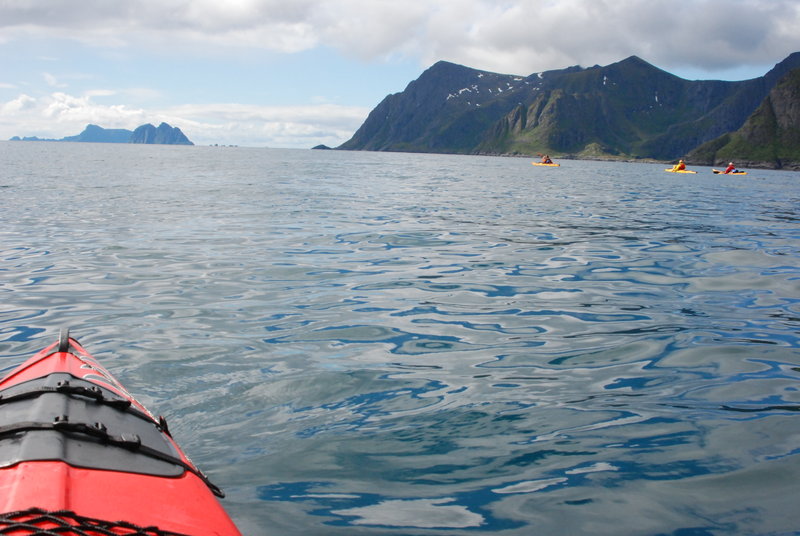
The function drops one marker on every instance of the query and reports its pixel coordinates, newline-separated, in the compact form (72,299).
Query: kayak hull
(543,164)
(172,505)
(680,171)
(719,172)
(74,444)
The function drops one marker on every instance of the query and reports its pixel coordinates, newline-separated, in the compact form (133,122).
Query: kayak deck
(680,171)
(75,445)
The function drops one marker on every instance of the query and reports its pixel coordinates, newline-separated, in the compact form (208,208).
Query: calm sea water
(394,344)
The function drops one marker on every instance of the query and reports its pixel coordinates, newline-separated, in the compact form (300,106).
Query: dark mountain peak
(443,66)
(634,61)
(792,61)
(451,85)
(793,58)
(633,74)
(444,72)
(554,73)
(636,67)
(635,64)
(453,76)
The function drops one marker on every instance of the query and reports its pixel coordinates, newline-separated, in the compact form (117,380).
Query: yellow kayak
(679,171)
(718,172)
(543,164)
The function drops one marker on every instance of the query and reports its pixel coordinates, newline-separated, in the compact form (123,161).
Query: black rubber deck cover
(82,424)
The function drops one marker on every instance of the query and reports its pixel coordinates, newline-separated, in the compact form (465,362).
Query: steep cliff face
(770,137)
(164,134)
(629,108)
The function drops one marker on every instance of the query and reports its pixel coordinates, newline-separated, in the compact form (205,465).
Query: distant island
(164,134)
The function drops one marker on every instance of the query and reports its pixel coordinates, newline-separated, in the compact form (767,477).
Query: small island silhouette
(164,134)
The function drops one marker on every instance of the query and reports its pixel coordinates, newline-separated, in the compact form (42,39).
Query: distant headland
(164,134)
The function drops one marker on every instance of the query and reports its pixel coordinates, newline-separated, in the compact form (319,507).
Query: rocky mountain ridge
(164,134)
(626,110)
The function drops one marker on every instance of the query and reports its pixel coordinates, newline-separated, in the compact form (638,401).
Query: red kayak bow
(79,455)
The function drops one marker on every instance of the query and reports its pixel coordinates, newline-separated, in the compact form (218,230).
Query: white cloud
(272,126)
(17,105)
(52,81)
(498,35)
(372,29)
(527,37)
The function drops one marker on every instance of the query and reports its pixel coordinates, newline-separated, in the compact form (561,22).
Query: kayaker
(546,159)
(680,166)
(730,169)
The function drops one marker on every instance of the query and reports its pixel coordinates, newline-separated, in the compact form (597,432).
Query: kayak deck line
(75,445)
(56,523)
(64,386)
(96,429)
(99,431)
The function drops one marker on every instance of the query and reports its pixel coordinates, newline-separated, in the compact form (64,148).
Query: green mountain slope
(769,138)
(629,109)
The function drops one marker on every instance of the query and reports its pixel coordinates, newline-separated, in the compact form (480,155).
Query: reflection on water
(359,343)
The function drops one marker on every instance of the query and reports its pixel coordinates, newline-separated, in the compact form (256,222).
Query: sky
(298,73)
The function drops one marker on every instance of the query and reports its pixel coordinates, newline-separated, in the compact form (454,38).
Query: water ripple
(379,343)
